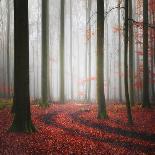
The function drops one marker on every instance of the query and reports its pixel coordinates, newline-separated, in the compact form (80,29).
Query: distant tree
(130,121)
(71,50)
(107,56)
(62,95)
(100,61)
(119,50)
(22,116)
(146,100)
(89,50)
(8,49)
(86,52)
(45,52)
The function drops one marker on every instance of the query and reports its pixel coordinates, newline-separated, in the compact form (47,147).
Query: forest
(77,77)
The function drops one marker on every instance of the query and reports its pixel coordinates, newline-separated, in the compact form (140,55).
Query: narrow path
(49,119)
(109,129)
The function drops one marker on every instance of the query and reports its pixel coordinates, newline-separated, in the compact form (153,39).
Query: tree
(89,51)
(62,96)
(22,116)
(126,64)
(146,100)
(100,61)
(119,50)
(86,52)
(131,53)
(107,54)
(45,52)
(8,48)
(71,50)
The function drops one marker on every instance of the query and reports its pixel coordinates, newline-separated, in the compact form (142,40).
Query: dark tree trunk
(146,100)
(62,95)
(100,61)
(131,53)
(22,116)
(45,52)
(126,64)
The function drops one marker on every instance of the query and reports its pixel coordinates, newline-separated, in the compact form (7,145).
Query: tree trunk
(152,47)
(45,52)
(89,51)
(62,96)
(126,64)
(86,53)
(8,49)
(100,61)
(71,50)
(107,55)
(22,116)
(146,100)
(131,53)
(119,52)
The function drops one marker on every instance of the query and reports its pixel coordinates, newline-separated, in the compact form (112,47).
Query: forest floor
(73,129)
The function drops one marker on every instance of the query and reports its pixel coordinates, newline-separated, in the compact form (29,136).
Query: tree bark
(71,50)
(119,52)
(8,49)
(130,121)
(22,116)
(89,51)
(45,52)
(62,95)
(146,100)
(100,61)
(131,53)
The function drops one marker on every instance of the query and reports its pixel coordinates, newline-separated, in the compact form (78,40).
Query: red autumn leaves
(68,136)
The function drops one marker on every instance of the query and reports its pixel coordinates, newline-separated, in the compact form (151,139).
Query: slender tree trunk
(154,37)
(45,52)
(71,50)
(107,57)
(34,85)
(146,100)
(126,64)
(78,68)
(8,48)
(100,61)
(86,53)
(22,116)
(4,76)
(62,95)
(119,52)
(89,52)
(131,53)
(152,46)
